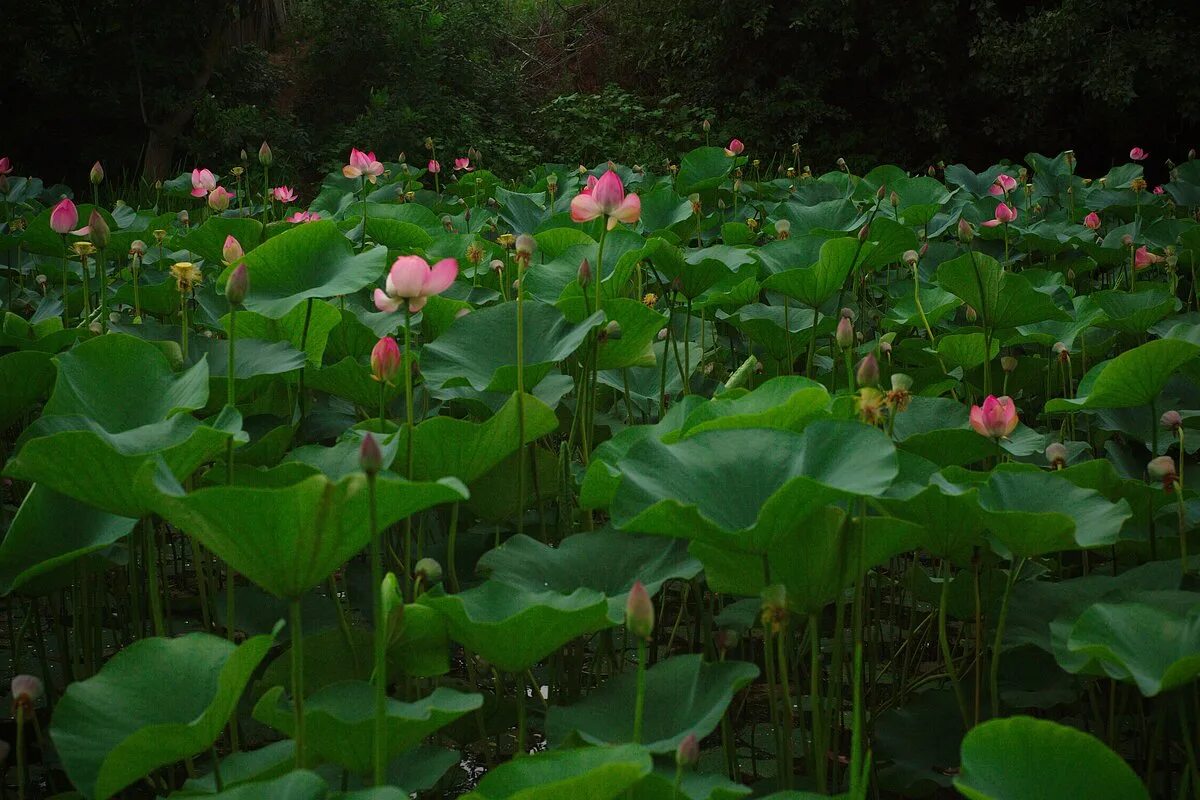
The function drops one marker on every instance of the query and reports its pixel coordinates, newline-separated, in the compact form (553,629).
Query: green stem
(452,549)
(297,680)
(818,726)
(521,454)
(521,692)
(380,676)
(994,673)
(640,703)
(22,779)
(944,643)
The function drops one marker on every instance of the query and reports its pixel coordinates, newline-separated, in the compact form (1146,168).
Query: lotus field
(713,481)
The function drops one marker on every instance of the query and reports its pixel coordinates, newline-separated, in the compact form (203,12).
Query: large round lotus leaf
(480,349)
(1007,299)
(1134,378)
(702,169)
(586,773)
(290,327)
(51,530)
(920,198)
(207,241)
(262,764)
(916,745)
(289,538)
(639,327)
(705,488)
(296,785)
(938,429)
(787,402)
(154,703)
(683,695)
(1152,638)
(1021,758)
(515,628)
(26,378)
(340,718)
(252,357)
(813,285)
(309,261)
(660,785)
(606,561)
(1135,312)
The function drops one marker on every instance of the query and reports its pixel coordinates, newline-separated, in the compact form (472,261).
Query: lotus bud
(774,607)
(706,125)
(932,171)
(868,371)
(429,571)
(237,285)
(639,612)
(911,258)
(393,605)
(1163,469)
(98,231)
(585,273)
(847,313)
(965,232)
(264,155)
(385,360)
(1056,455)
(370,457)
(159,235)
(879,193)
(96,176)
(688,752)
(662,335)
(864,232)
(971,314)
(1008,363)
(231,251)
(845,333)
(26,690)
(1172,421)
(894,200)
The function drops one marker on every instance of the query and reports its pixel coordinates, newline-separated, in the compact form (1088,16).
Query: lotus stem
(1014,572)
(297,679)
(380,620)
(640,703)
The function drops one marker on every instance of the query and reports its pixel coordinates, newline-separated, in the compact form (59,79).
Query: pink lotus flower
(64,217)
(231,251)
(433,167)
(639,611)
(1004,215)
(1092,221)
(1158,190)
(385,360)
(218,199)
(411,280)
(996,419)
(462,164)
(1003,184)
(283,194)
(1143,258)
(303,216)
(735,148)
(606,197)
(5,166)
(362,165)
(1138,154)
(203,182)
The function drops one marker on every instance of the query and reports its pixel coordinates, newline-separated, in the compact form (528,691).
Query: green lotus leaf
(339,720)
(296,785)
(787,402)
(813,285)
(26,377)
(1021,758)
(1007,299)
(207,240)
(702,169)
(1134,378)
(586,773)
(172,698)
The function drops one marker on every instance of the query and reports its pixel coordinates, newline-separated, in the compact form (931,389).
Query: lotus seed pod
(237,285)
(901,382)
(911,258)
(370,457)
(783,228)
(1056,455)
(774,607)
(137,248)
(526,244)
(639,612)
(429,571)
(1172,421)
(612,331)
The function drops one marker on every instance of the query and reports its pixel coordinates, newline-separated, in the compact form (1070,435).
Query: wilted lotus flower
(1004,214)
(231,251)
(26,690)
(284,194)
(362,165)
(218,199)
(385,360)
(1092,221)
(1002,185)
(1163,469)
(64,217)
(735,148)
(1138,154)
(1056,455)
(411,280)
(996,418)
(639,612)
(203,182)
(606,197)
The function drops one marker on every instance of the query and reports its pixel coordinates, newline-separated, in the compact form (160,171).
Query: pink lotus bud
(231,251)
(1092,221)
(264,155)
(965,232)
(370,457)
(1004,215)
(868,371)
(864,232)
(1172,421)
(585,273)
(845,333)
(1159,190)
(96,176)
(735,148)
(433,167)
(237,285)
(1138,154)
(1056,455)
(688,752)
(26,690)
(1163,469)
(64,217)
(996,418)
(639,612)
(97,229)
(5,166)
(218,199)
(385,359)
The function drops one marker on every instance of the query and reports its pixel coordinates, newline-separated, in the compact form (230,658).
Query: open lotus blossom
(735,148)
(1138,154)
(461,164)
(1092,221)
(64,217)
(5,166)
(1142,258)
(203,182)
(218,199)
(303,216)
(996,418)
(433,167)
(1158,190)
(606,197)
(283,194)
(362,165)
(411,280)
(1003,184)
(1004,214)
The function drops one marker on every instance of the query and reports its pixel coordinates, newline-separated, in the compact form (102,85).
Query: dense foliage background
(152,86)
